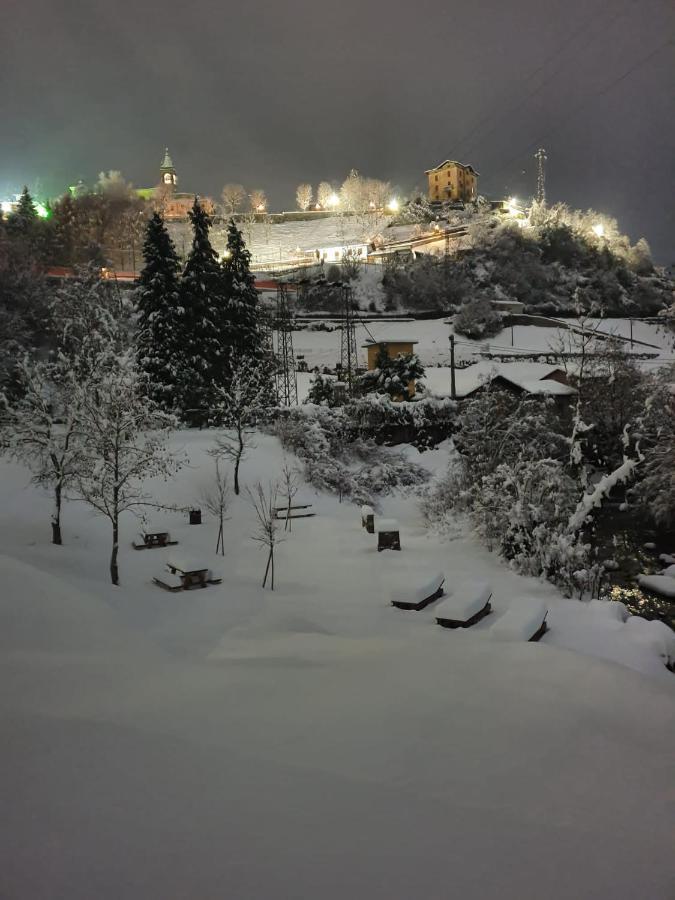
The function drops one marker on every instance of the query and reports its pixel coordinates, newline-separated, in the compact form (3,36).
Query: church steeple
(167,170)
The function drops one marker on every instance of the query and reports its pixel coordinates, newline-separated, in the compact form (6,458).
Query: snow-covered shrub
(322,391)
(423,422)
(477,319)
(337,460)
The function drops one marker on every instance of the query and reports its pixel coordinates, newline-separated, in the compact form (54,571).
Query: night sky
(273,93)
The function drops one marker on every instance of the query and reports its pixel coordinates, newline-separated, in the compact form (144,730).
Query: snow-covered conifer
(159,342)
(396,376)
(205,334)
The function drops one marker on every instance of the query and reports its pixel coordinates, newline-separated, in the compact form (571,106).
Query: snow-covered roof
(451,162)
(532,377)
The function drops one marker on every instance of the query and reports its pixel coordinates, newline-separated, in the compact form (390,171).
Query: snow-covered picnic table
(194,571)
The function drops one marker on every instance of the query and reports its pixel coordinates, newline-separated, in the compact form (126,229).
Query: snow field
(314,742)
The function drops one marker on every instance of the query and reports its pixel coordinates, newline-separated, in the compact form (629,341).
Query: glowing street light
(42,210)
(598,230)
(393,204)
(260,207)
(333,200)
(6,206)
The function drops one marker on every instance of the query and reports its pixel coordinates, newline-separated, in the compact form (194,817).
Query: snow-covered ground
(322,348)
(275,243)
(314,741)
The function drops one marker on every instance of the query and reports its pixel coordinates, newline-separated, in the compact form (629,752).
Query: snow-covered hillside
(314,741)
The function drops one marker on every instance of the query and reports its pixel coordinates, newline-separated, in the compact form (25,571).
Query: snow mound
(660,584)
(654,635)
(42,613)
(669,571)
(612,609)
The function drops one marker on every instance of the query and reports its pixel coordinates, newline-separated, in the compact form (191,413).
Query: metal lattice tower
(286,377)
(348,358)
(540,156)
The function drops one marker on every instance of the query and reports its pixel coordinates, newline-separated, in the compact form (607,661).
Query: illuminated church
(173,204)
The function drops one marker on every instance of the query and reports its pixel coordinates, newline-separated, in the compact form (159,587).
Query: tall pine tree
(161,316)
(205,335)
(242,296)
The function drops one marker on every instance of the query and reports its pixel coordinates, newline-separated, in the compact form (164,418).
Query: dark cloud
(274,93)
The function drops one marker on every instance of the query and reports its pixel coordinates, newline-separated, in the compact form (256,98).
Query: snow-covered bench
(659,584)
(467,605)
(524,620)
(417,592)
(169,581)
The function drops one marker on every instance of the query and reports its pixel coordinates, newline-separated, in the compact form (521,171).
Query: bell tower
(167,171)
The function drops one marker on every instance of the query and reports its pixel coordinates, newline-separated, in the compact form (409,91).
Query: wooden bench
(282,512)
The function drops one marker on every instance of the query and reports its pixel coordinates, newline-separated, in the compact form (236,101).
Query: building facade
(452,180)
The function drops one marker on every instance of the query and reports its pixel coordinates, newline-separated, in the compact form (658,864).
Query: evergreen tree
(205,333)
(242,296)
(160,315)
(24,218)
(398,376)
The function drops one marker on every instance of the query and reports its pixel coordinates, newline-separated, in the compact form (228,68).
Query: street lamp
(333,200)
(393,204)
(598,230)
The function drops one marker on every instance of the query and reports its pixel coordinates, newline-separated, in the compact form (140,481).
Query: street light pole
(453,391)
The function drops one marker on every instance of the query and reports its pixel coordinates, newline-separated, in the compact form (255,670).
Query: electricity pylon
(540,156)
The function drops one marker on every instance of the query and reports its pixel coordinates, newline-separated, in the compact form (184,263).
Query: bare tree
(258,201)
(303,196)
(323,194)
(242,402)
(233,196)
(42,429)
(216,499)
(289,488)
(264,504)
(125,443)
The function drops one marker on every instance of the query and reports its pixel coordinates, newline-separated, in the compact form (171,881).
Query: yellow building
(452,180)
(393,349)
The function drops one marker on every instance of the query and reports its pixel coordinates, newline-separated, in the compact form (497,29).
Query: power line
(509,111)
(601,91)
(582,29)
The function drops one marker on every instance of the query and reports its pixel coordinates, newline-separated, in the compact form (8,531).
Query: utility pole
(453,391)
(540,156)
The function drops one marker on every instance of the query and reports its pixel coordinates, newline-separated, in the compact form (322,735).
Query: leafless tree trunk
(264,505)
(216,500)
